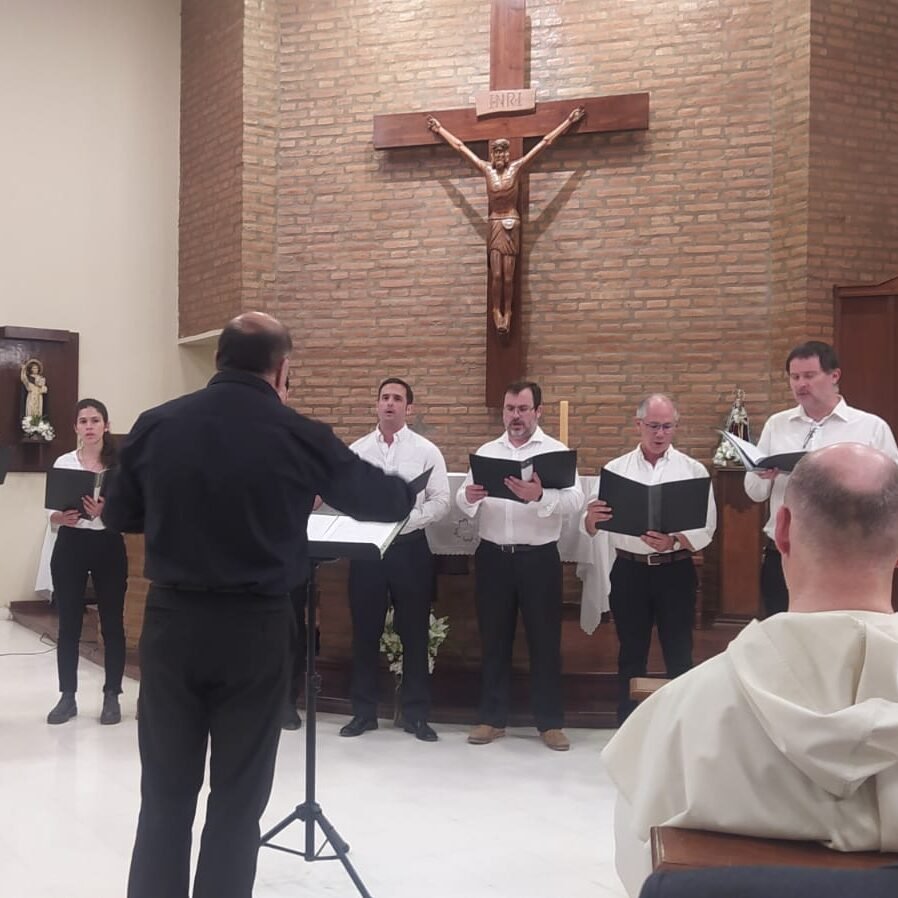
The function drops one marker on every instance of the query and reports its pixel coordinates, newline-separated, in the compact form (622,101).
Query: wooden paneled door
(866,332)
(866,336)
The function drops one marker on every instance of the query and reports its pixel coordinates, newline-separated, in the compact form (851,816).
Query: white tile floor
(443,821)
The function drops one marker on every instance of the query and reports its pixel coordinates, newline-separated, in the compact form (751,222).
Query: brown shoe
(483,734)
(555,739)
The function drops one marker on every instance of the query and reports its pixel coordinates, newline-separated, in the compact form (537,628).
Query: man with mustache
(517,566)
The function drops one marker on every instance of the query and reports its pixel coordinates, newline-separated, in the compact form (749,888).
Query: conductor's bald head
(843,506)
(254,342)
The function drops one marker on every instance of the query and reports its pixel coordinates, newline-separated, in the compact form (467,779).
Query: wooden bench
(642,687)
(691,849)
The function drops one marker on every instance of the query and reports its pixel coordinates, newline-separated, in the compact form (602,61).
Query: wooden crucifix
(506,121)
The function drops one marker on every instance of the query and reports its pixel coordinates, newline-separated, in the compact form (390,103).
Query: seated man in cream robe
(792,732)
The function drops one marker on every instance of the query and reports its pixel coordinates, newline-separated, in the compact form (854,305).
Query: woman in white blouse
(84,546)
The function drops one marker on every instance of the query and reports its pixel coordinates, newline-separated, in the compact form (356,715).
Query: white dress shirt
(506,522)
(792,430)
(409,455)
(71,462)
(673,465)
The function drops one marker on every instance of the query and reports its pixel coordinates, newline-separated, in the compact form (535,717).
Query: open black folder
(421,481)
(66,487)
(664,507)
(752,459)
(556,471)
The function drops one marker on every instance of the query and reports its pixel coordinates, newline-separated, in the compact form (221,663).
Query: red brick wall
(646,258)
(210,263)
(790,121)
(687,259)
(259,172)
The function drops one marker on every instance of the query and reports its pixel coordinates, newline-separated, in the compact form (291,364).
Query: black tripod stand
(309,812)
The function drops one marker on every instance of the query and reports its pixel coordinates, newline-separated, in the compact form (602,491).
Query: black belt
(655,558)
(409,537)
(512,548)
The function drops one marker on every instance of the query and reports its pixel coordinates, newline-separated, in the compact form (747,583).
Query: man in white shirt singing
(517,566)
(821,418)
(405,575)
(653,578)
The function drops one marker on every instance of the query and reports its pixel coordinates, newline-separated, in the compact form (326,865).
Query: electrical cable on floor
(43,640)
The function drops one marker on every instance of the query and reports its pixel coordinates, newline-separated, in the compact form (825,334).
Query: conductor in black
(221,482)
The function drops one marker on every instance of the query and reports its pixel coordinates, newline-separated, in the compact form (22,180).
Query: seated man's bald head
(843,500)
(254,342)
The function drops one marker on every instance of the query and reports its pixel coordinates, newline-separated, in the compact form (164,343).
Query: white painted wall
(89,225)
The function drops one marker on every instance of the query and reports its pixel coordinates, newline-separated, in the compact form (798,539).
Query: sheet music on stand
(335,535)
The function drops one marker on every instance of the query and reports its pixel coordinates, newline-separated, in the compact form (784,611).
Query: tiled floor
(447,820)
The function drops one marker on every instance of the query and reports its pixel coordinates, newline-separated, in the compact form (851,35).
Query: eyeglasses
(654,427)
(520,409)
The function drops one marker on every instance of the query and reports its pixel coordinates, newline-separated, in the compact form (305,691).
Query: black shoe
(111,712)
(421,729)
(290,719)
(359,725)
(65,709)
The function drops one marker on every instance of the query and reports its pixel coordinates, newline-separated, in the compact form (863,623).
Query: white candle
(562,421)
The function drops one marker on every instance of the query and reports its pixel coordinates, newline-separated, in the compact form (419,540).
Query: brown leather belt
(655,558)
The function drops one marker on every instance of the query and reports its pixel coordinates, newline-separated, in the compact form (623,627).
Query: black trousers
(774,593)
(529,581)
(214,667)
(643,595)
(100,553)
(404,578)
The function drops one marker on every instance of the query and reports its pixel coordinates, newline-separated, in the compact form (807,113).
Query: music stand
(330,537)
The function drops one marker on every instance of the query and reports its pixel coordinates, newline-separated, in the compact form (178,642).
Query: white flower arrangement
(726,455)
(391,644)
(38,427)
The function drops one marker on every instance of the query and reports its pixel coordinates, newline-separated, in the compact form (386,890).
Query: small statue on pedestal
(736,424)
(35,424)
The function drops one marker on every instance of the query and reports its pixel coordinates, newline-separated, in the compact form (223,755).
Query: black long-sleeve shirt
(222,481)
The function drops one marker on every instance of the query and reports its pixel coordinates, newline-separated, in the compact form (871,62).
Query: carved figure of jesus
(35,385)
(503,187)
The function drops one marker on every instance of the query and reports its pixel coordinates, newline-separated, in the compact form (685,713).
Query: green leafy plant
(391,644)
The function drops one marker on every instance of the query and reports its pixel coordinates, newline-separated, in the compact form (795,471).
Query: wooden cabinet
(739,541)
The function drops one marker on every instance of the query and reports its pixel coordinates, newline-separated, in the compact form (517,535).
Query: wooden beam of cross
(508,39)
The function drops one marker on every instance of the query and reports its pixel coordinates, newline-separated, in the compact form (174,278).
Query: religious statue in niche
(736,424)
(35,424)
(503,188)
